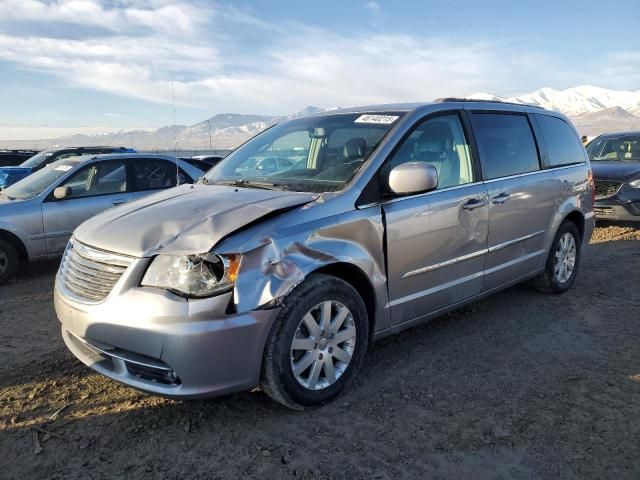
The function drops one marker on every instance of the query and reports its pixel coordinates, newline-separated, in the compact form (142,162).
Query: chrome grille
(605,189)
(91,274)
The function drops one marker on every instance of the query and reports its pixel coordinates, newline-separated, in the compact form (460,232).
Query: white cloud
(373,6)
(376,15)
(623,68)
(226,59)
(159,16)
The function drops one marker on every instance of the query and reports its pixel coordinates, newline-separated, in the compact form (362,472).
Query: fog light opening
(172,376)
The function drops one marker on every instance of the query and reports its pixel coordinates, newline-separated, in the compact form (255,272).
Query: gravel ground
(520,385)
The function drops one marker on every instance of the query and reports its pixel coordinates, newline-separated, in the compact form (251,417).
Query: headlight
(193,275)
(635,183)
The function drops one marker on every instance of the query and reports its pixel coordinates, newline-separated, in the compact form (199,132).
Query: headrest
(354,149)
(436,137)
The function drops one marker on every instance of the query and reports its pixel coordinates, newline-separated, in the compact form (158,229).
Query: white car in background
(39,213)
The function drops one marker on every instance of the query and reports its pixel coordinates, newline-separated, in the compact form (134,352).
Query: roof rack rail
(479,100)
(18,150)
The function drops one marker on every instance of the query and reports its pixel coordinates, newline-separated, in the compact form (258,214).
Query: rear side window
(562,143)
(153,174)
(505,143)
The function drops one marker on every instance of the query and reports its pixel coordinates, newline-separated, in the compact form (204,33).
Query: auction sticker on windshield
(380,119)
(64,168)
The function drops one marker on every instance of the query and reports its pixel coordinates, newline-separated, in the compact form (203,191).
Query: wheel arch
(358,279)
(16,242)
(577,218)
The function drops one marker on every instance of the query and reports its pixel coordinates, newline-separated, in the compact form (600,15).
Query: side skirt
(432,315)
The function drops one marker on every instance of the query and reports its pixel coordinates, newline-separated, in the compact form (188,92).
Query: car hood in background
(619,171)
(185,220)
(10,175)
(15,170)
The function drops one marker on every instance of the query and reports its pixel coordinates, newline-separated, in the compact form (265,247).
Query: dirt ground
(520,385)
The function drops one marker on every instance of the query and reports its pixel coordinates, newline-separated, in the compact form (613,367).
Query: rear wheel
(9,260)
(317,343)
(563,261)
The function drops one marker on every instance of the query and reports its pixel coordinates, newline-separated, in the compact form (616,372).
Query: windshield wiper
(250,184)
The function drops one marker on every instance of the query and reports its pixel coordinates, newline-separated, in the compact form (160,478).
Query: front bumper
(158,342)
(623,206)
(615,213)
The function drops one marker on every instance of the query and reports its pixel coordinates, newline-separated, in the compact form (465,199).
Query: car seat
(435,147)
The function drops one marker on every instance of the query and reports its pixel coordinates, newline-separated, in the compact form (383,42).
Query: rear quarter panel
(574,194)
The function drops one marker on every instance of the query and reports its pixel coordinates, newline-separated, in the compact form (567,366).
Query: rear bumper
(163,344)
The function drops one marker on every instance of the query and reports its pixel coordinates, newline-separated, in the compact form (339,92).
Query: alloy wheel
(323,345)
(565,257)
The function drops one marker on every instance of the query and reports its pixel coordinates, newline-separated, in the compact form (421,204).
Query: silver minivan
(391,215)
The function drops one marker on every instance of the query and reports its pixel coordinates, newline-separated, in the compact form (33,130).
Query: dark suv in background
(616,171)
(9,158)
(10,175)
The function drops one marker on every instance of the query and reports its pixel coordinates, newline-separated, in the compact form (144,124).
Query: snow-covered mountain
(593,110)
(228,130)
(577,100)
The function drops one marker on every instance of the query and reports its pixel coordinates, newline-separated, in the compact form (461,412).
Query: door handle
(118,202)
(474,203)
(502,198)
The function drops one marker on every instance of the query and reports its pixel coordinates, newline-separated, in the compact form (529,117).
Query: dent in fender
(269,272)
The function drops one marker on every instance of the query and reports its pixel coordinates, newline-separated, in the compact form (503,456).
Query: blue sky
(97,65)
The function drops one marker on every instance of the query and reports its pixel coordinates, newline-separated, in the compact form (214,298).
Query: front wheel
(317,344)
(563,261)
(9,261)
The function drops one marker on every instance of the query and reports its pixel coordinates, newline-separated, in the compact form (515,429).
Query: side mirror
(413,177)
(62,192)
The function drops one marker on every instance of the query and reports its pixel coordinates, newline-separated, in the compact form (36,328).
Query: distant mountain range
(593,110)
(228,130)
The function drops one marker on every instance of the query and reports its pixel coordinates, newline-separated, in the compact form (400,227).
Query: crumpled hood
(620,171)
(184,220)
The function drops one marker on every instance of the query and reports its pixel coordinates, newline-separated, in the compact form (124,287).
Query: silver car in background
(39,213)
(396,214)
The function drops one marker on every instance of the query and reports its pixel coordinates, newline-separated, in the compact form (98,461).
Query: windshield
(37,159)
(617,149)
(37,182)
(313,154)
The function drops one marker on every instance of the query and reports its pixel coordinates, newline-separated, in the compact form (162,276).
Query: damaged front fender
(272,270)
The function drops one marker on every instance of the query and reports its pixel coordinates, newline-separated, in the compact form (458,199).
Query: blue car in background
(10,175)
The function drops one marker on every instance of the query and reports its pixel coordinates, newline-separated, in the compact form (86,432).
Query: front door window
(98,179)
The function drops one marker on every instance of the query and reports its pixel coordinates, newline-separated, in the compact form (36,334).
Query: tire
(9,261)
(549,281)
(298,390)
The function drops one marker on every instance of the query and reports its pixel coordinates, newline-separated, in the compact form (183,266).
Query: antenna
(175,131)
